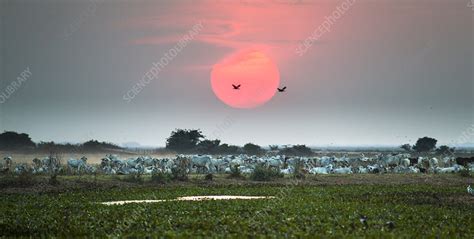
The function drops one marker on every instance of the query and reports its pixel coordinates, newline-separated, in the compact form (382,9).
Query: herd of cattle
(112,164)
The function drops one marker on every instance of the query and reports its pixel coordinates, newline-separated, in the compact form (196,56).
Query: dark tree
(297,150)
(208,146)
(252,149)
(184,140)
(273,147)
(425,144)
(228,149)
(13,140)
(93,145)
(406,147)
(444,149)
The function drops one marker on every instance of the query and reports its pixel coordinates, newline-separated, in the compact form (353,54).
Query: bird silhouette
(281,89)
(236,87)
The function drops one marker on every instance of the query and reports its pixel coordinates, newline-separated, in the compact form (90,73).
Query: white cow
(319,170)
(134,162)
(405,162)
(201,162)
(77,164)
(343,170)
(8,162)
(21,168)
(287,171)
(453,169)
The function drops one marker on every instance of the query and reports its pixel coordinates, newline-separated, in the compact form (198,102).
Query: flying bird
(282,89)
(236,87)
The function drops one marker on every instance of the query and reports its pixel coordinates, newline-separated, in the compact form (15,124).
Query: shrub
(26,178)
(160,177)
(261,173)
(181,170)
(465,173)
(209,177)
(235,172)
(298,172)
(53,179)
(133,178)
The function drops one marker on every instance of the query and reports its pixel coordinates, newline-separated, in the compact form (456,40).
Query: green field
(313,208)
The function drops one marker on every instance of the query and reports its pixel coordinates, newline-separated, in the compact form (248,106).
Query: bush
(261,173)
(134,178)
(235,172)
(465,173)
(298,172)
(209,177)
(181,170)
(24,179)
(53,180)
(160,177)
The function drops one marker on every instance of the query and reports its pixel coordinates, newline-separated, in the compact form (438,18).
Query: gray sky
(386,73)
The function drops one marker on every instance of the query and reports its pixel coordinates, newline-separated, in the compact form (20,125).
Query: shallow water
(190,198)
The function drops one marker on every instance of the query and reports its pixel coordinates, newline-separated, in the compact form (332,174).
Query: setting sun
(257,75)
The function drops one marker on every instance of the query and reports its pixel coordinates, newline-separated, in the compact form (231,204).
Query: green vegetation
(262,173)
(235,172)
(466,172)
(10,140)
(161,177)
(297,211)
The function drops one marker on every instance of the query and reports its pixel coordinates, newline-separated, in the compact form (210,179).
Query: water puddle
(131,201)
(190,198)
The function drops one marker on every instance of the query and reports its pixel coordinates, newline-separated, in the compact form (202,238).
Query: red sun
(256,74)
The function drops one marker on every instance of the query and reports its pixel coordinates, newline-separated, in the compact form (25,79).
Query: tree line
(192,141)
(10,140)
(427,144)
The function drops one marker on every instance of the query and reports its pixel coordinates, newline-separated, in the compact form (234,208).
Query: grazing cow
(345,170)
(319,170)
(201,162)
(427,164)
(374,168)
(361,169)
(405,162)
(274,162)
(8,163)
(46,165)
(287,171)
(325,160)
(433,162)
(245,169)
(149,161)
(470,190)
(21,168)
(453,169)
(77,164)
(218,164)
(448,161)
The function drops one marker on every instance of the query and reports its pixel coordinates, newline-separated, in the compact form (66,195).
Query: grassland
(323,206)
